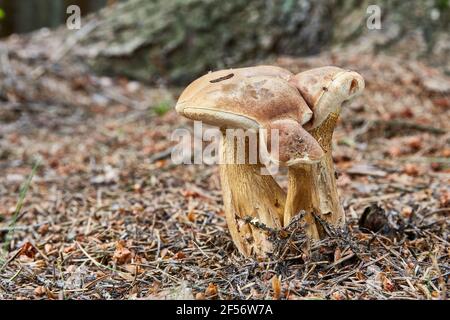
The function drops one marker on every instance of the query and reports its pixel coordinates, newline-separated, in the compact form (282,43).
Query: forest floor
(108,216)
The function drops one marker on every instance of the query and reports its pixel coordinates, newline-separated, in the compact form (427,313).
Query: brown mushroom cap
(260,99)
(243,98)
(218,76)
(252,98)
(325,88)
(296,145)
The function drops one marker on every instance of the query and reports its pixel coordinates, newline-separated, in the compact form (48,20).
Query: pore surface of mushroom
(252,98)
(313,187)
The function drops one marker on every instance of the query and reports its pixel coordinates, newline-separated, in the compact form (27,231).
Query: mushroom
(313,187)
(252,99)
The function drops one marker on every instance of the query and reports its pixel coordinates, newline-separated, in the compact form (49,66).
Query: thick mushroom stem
(330,208)
(312,187)
(249,194)
(302,195)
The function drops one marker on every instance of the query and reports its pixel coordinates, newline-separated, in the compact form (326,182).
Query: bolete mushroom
(251,99)
(313,187)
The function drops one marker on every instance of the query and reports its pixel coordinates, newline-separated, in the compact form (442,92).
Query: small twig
(160,155)
(395,125)
(98,264)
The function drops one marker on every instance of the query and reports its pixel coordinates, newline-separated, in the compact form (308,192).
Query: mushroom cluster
(303,109)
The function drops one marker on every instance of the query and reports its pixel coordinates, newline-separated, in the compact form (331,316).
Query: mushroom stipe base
(247,193)
(313,187)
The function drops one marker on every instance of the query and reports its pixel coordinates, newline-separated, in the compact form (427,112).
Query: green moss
(162,107)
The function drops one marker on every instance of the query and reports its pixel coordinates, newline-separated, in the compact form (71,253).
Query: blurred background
(177,40)
(28,15)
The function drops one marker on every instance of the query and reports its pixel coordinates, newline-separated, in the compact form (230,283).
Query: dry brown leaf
(337,254)
(415,143)
(28,250)
(411,169)
(40,291)
(191,216)
(388,285)
(444,199)
(122,254)
(276,287)
(70,248)
(133,268)
(180,255)
(395,151)
(163,253)
(336,295)
(189,194)
(211,290)
(199,296)
(43,229)
(407,211)
(446,152)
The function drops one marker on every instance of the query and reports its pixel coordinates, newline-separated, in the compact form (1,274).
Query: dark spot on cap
(228,76)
